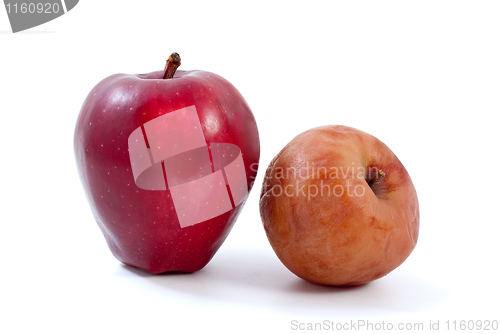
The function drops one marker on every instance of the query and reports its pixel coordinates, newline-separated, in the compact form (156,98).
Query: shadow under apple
(257,276)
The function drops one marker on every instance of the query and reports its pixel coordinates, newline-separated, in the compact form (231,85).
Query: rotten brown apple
(338,207)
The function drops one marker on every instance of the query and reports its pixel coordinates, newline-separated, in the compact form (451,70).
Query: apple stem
(173,62)
(378,177)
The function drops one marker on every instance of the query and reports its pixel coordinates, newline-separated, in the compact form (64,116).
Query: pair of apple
(167,160)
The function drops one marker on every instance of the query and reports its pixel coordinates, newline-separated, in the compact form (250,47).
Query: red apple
(338,207)
(167,160)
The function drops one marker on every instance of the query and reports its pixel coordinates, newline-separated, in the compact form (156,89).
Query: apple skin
(141,226)
(341,238)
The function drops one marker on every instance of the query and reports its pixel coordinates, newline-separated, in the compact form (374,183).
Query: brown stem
(173,62)
(376,179)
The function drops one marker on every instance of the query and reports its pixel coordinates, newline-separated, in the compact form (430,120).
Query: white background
(422,76)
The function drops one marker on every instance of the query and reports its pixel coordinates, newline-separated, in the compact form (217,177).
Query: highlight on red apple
(167,160)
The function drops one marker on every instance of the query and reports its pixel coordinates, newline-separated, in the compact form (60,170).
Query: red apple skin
(334,238)
(141,226)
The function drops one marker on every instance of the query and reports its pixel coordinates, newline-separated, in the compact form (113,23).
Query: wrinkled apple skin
(339,238)
(141,226)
